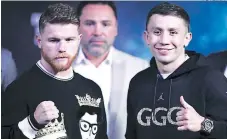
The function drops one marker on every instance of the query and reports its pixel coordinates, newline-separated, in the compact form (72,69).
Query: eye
(157,32)
(84,126)
(54,40)
(89,23)
(173,33)
(94,129)
(105,24)
(69,39)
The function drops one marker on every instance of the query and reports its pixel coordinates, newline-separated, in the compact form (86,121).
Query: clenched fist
(45,112)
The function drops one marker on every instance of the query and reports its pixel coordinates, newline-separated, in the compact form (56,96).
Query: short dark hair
(58,13)
(82,4)
(91,110)
(167,8)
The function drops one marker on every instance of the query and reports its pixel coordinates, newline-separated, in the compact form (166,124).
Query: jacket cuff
(26,128)
(34,124)
(219,130)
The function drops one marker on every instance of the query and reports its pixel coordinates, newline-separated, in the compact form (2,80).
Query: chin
(61,67)
(164,60)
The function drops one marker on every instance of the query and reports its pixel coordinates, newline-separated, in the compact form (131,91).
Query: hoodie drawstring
(170,92)
(155,92)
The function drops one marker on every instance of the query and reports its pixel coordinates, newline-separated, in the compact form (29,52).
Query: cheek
(48,46)
(86,32)
(72,50)
(178,41)
(153,40)
(110,33)
(48,50)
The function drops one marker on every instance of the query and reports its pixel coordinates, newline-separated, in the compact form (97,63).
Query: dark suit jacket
(218,60)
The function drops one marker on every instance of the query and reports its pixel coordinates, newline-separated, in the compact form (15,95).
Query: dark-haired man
(101,62)
(42,103)
(178,96)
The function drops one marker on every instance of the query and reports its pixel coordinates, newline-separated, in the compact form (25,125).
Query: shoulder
(20,86)
(129,58)
(29,76)
(23,80)
(6,53)
(142,76)
(212,75)
(7,58)
(217,57)
(87,83)
(210,78)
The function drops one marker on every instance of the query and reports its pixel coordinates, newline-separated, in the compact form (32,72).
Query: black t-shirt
(70,95)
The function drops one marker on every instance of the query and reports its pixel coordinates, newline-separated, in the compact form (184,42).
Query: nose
(164,39)
(98,30)
(62,46)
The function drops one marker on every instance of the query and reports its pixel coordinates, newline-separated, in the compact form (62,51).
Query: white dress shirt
(100,75)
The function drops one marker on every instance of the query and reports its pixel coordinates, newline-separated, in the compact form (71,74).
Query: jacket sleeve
(15,115)
(216,103)
(131,118)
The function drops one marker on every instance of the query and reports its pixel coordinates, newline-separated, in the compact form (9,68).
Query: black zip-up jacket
(153,101)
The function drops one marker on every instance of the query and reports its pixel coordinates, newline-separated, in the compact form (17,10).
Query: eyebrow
(156,28)
(56,38)
(53,38)
(70,38)
(169,29)
(93,21)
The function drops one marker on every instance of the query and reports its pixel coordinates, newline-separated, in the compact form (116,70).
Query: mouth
(164,49)
(97,42)
(61,57)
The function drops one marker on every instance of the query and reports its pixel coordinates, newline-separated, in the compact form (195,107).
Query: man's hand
(188,118)
(45,112)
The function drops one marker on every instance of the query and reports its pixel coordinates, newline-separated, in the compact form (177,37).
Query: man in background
(8,68)
(219,61)
(99,61)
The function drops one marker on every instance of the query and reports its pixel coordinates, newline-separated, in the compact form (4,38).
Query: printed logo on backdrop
(34,20)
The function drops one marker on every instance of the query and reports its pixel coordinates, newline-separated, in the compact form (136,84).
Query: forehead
(166,22)
(90,118)
(60,30)
(97,12)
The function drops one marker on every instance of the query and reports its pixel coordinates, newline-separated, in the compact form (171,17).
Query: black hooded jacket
(153,101)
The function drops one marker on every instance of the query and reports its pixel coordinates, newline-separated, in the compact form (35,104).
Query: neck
(96,61)
(60,74)
(171,67)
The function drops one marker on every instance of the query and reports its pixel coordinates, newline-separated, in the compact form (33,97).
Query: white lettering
(163,117)
(152,116)
(148,123)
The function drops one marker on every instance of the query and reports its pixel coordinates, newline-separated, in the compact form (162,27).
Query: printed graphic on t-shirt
(53,130)
(89,114)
